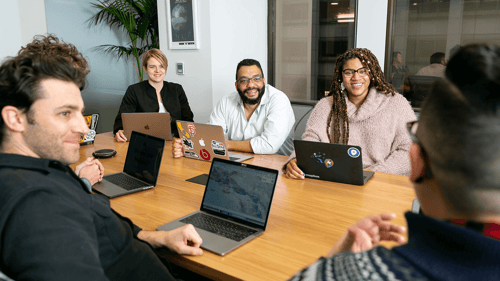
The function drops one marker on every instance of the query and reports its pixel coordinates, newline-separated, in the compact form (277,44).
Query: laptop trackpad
(211,242)
(107,188)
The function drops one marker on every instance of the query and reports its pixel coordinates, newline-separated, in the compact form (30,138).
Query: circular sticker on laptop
(204,154)
(353,152)
(328,163)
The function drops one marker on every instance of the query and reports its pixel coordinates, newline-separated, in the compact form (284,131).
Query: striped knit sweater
(378,126)
(436,250)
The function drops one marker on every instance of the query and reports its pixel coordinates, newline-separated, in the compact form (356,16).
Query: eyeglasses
(412,130)
(350,72)
(245,81)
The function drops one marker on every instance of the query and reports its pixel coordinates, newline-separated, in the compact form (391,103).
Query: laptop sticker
(191,154)
(328,163)
(91,121)
(319,156)
(188,144)
(202,142)
(204,154)
(191,129)
(218,148)
(183,132)
(353,152)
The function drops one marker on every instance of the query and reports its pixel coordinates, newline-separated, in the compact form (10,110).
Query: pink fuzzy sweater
(378,126)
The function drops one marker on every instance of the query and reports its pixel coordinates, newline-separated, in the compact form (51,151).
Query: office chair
(420,87)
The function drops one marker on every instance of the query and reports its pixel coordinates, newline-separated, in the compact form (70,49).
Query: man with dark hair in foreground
(456,176)
(51,225)
(91,170)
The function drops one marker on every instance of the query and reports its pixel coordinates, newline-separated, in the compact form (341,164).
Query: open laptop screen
(144,157)
(241,191)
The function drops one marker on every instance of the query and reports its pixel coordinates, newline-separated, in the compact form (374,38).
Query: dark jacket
(52,228)
(141,97)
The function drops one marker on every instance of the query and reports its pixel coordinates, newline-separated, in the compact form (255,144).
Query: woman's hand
(293,171)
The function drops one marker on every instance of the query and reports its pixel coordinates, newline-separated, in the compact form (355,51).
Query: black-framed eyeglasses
(412,130)
(245,81)
(350,72)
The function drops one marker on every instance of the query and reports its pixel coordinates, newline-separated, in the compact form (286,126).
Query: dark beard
(252,101)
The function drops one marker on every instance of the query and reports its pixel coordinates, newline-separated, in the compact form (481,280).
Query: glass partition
(424,34)
(309,37)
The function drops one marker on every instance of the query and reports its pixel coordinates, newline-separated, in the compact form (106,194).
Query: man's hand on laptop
(293,171)
(90,169)
(177,149)
(183,240)
(367,233)
(120,136)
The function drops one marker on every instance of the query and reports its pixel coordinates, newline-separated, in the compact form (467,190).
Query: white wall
(230,31)
(372,27)
(20,20)
(33,20)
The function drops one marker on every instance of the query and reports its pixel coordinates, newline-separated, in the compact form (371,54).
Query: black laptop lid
(329,161)
(144,157)
(239,191)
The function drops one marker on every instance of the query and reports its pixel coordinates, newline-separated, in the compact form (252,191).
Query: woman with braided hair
(362,109)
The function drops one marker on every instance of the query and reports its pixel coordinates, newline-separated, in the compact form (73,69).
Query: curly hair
(21,77)
(339,108)
(51,45)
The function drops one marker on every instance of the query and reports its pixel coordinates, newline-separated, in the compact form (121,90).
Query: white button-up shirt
(269,129)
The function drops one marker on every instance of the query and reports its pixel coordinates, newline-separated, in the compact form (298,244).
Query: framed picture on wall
(182,24)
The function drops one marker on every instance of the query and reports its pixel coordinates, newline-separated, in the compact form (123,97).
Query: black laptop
(331,162)
(141,170)
(235,207)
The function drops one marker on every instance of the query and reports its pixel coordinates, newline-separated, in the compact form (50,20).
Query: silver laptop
(331,162)
(141,170)
(151,123)
(235,207)
(206,142)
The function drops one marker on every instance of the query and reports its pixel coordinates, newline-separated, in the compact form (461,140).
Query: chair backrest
(420,87)
(302,112)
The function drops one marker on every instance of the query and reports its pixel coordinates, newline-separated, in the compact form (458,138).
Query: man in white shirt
(257,118)
(437,66)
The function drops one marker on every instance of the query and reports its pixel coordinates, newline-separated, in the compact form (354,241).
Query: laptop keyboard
(125,181)
(220,227)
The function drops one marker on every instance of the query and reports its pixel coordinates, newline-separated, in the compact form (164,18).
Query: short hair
(21,77)
(50,45)
(156,54)
(461,130)
(437,57)
(395,54)
(248,62)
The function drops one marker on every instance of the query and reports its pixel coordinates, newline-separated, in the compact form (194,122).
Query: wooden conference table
(307,216)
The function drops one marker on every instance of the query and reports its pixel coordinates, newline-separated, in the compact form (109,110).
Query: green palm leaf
(139,18)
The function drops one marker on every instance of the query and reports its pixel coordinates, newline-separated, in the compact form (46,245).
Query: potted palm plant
(139,18)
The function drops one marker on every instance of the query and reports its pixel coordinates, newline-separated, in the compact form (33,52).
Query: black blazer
(141,97)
